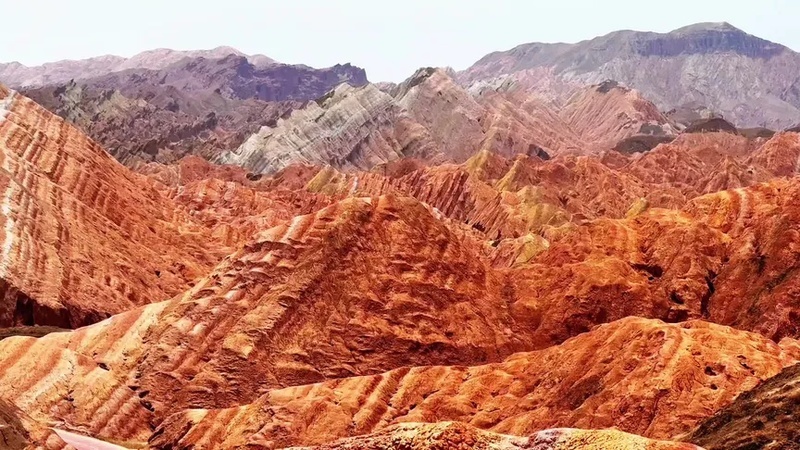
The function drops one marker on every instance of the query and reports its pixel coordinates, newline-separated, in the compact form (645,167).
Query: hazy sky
(390,39)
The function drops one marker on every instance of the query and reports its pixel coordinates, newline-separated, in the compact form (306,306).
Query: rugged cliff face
(751,81)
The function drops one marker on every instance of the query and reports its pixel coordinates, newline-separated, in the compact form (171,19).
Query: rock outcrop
(351,127)
(607,113)
(255,322)
(429,117)
(199,105)
(512,277)
(158,123)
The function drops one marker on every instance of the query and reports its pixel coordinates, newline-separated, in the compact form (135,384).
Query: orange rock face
(638,375)
(82,237)
(486,304)
(454,435)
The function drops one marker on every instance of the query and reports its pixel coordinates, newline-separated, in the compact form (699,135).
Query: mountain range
(216,251)
(750,81)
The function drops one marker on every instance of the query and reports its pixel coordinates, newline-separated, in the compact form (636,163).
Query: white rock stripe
(6,206)
(84,442)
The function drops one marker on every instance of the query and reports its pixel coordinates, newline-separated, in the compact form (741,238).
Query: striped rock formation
(641,376)
(351,127)
(430,117)
(346,291)
(454,435)
(697,164)
(162,105)
(83,238)
(755,288)
(607,113)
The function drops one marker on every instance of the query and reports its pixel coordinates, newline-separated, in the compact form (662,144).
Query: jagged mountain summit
(751,81)
(17,75)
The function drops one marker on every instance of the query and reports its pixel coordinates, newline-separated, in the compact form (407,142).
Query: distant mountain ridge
(751,81)
(16,74)
(199,105)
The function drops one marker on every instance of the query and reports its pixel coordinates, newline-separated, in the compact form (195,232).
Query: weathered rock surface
(454,435)
(607,113)
(351,127)
(638,375)
(255,322)
(764,417)
(84,238)
(484,290)
(751,81)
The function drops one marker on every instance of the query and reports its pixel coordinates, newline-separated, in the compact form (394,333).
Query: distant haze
(389,39)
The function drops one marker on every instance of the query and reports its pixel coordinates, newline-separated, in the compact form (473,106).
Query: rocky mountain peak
(705,38)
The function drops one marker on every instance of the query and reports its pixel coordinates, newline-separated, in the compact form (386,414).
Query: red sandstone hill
(500,302)
(83,237)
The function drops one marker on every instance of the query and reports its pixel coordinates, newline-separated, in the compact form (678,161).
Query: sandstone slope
(84,238)
(346,291)
(764,417)
(641,376)
(454,435)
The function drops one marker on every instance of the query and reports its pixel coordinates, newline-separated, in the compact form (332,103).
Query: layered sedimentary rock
(158,123)
(751,81)
(516,122)
(638,375)
(454,435)
(162,105)
(764,417)
(779,155)
(351,127)
(291,307)
(427,117)
(475,295)
(84,238)
(607,113)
